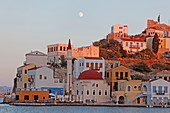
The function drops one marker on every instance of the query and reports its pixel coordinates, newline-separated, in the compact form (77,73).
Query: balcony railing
(160,93)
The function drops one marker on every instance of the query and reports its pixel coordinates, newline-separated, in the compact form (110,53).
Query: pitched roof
(69,45)
(94,58)
(90,75)
(37,53)
(133,39)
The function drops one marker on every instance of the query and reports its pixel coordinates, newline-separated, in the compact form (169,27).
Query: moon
(81,14)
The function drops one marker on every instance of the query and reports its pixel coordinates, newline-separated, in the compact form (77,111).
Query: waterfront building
(31,95)
(90,87)
(118,73)
(132,45)
(131,92)
(42,77)
(36,57)
(89,63)
(160,92)
(22,76)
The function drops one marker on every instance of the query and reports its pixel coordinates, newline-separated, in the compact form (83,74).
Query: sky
(28,25)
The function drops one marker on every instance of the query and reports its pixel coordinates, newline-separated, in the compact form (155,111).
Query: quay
(87,104)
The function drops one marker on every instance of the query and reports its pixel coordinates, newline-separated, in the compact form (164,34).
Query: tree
(155,43)
(141,67)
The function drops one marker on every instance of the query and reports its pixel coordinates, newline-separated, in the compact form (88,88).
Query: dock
(86,104)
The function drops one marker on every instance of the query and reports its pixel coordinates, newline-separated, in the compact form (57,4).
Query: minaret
(69,68)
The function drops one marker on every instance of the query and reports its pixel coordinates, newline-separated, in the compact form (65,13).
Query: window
(60,48)
(93,92)
(159,89)
(77,92)
(92,65)
(165,78)
(56,48)
(43,97)
(126,74)
(80,64)
(135,87)
(35,97)
(154,89)
(17,97)
(137,45)
(111,65)
(165,89)
(105,92)
(107,74)
(160,77)
(87,92)
(45,77)
(117,74)
(100,93)
(96,65)
(130,50)
(25,85)
(87,64)
(141,44)
(126,43)
(120,27)
(130,44)
(40,76)
(97,85)
(26,97)
(101,65)
(139,88)
(129,88)
(25,71)
(121,75)
(64,48)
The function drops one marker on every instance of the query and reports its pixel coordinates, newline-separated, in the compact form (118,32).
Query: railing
(160,93)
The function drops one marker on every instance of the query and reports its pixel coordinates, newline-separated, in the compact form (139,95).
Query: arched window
(40,76)
(129,88)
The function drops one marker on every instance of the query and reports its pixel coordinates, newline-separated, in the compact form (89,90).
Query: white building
(132,45)
(90,87)
(43,77)
(160,91)
(37,58)
(89,63)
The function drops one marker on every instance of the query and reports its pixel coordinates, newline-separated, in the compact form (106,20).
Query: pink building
(152,31)
(90,87)
(132,45)
(118,28)
(57,50)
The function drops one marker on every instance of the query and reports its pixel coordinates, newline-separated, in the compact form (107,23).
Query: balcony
(162,93)
(134,47)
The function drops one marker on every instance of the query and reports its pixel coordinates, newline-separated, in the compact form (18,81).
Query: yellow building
(31,95)
(130,92)
(22,75)
(119,73)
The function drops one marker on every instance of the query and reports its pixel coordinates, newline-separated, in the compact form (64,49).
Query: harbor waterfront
(5,108)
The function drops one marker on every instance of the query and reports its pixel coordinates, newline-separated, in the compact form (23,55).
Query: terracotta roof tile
(90,75)
(135,40)
(95,58)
